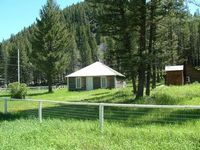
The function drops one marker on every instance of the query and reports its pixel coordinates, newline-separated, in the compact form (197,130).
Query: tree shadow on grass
(128,117)
(119,97)
(30,94)
(9,117)
(103,93)
(39,94)
(76,112)
(5,95)
(175,117)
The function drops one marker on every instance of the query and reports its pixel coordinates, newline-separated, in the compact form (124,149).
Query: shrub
(18,90)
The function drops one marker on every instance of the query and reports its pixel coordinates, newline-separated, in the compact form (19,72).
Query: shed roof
(174,68)
(95,69)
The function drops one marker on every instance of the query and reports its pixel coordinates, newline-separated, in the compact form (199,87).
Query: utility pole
(18,60)
(5,60)
(6,72)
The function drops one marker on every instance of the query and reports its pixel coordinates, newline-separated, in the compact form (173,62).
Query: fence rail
(102,111)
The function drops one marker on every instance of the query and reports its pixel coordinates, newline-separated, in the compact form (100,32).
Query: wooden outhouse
(174,75)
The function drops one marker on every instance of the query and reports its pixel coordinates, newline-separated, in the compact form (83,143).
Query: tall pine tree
(50,43)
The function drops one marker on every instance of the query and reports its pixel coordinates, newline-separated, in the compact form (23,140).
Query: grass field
(188,94)
(81,135)
(184,95)
(124,128)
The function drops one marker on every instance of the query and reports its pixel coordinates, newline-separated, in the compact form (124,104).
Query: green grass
(188,94)
(81,135)
(100,95)
(76,127)
(183,95)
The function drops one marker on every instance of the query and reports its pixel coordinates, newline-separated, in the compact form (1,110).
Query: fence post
(40,111)
(101,117)
(6,106)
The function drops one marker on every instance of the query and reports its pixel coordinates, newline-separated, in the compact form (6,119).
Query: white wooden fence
(101,107)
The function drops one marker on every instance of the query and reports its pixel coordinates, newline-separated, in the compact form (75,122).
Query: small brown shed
(95,76)
(174,75)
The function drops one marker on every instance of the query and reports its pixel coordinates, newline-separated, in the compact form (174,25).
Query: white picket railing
(100,106)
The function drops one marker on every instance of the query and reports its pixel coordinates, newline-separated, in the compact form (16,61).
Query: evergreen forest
(135,37)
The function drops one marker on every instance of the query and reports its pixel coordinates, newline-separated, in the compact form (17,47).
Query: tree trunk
(154,76)
(133,78)
(158,75)
(198,45)
(150,47)
(142,47)
(148,80)
(49,81)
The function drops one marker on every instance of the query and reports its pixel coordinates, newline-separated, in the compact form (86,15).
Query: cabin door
(89,83)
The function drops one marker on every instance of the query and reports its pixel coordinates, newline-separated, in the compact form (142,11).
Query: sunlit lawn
(188,94)
(77,127)
(85,135)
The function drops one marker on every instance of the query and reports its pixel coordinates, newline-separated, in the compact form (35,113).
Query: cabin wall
(83,79)
(192,73)
(72,84)
(96,82)
(119,82)
(112,82)
(174,78)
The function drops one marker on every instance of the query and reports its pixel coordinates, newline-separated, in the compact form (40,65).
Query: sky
(17,14)
(193,8)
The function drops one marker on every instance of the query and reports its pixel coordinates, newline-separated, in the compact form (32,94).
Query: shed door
(89,83)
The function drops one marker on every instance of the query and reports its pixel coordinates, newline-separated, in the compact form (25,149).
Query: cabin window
(78,83)
(103,82)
